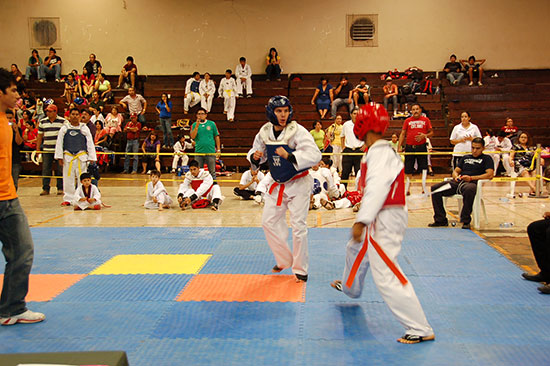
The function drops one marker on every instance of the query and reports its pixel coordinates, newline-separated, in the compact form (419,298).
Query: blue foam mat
(483,313)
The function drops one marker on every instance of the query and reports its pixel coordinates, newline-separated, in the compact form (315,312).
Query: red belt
(380,251)
(282,188)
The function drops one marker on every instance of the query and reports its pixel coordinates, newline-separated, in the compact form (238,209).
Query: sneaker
(42,80)
(249,95)
(148,172)
(300,277)
(337,285)
(479,83)
(57,80)
(65,203)
(466,226)
(215,206)
(276,269)
(125,172)
(173,171)
(539,277)
(439,224)
(544,289)
(44,193)
(134,172)
(241,96)
(471,83)
(27,317)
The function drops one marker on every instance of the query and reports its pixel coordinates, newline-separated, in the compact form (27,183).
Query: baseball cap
(52,107)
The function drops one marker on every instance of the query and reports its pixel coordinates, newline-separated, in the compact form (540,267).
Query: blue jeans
(166,126)
(393,102)
(32,70)
(210,161)
(131,146)
(455,76)
(47,165)
(45,71)
(337,103)
(18,249)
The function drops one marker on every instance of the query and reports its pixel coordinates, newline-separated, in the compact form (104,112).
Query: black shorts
(422,160)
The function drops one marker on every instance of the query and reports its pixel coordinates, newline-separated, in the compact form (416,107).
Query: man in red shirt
(15,235)
(417,128)
(128,73)
(132,130)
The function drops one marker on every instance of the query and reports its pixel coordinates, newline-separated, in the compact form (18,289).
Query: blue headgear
(276,102)
(316,186)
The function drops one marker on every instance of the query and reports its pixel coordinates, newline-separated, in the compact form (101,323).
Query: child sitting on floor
(87,195)
(157,197)
(198,189)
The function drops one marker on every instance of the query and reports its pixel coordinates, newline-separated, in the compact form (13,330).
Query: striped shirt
(49,130)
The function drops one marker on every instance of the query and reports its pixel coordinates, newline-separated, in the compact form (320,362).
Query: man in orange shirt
(15,235)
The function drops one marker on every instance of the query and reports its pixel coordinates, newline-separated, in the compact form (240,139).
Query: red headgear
(371,117)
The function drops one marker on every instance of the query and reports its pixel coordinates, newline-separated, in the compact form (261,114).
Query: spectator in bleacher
(510,129)
(243,72)
(71,89)
(361,93)
(323,97)
(151,145)
(132,129)
(470,169)
(416,131)
(318,135)
(342,94)
(491,142)
(521,158)
(207,89)
(474,69)
(101,138)
(18,77)
(48,129)
(462,136)
(135,103)
(334,134)
(228,91)
(28,103)
(51,65)
(29,135)
(351,144)
(103,87)
(93,66)
(539,237)
(207,141)
(390,92)
(113,122)
(25,117)
(97,116)
(86,118)
(504,144)
(33,66)
(192,95)
(97,103)
(247,186)
(273,62)
(128,74)
(164,109)
(86,84)
(453,71)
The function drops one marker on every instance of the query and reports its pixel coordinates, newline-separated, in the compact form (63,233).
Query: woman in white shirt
(207,88)
(462,136)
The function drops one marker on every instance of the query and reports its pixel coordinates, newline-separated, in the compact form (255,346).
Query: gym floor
(195,287)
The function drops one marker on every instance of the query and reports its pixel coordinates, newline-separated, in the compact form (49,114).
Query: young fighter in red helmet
(379,228)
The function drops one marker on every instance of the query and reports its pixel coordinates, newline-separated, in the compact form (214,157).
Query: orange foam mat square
(44,287)
(243,287)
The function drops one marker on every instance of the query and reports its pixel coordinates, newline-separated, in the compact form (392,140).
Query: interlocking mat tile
(153,264)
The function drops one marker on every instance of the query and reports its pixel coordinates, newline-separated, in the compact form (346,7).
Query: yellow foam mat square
(153,264)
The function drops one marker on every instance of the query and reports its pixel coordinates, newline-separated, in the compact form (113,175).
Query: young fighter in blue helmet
(380,226)
(290,151)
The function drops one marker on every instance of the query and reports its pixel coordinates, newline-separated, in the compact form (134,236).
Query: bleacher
(520,94)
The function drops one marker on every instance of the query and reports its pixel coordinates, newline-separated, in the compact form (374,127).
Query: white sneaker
(27,317)
(479,83)
(471,83)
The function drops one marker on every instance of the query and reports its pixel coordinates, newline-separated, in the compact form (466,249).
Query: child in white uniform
(87,195)
(324,188)
(243,72)
(157,196)
(192,95)
(74,148)
(228,91)
(379,229)
(207,89)
(179,152)
(199,184)
(290,151)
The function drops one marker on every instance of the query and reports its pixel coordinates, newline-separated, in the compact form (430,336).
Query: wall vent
(362,30)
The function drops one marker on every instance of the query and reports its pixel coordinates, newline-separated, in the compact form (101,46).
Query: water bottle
(180,169)
(506,225)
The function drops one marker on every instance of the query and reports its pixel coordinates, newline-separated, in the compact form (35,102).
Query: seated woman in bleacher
(521,158)
(86,84)
(113,122)
(322,97)
(273,61)
(151,145)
